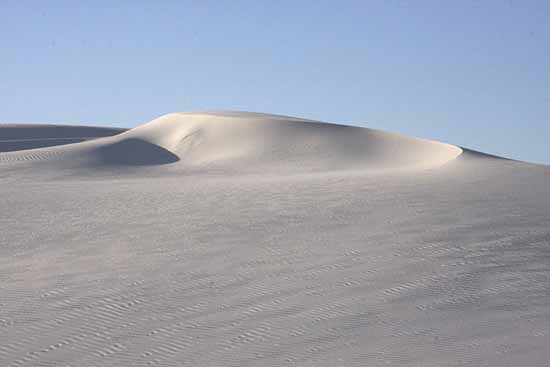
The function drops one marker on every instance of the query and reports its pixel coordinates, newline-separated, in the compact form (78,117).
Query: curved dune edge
(246,141)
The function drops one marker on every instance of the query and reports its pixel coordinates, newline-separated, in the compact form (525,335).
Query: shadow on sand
(135,152)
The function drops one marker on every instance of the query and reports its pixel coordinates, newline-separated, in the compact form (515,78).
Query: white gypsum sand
(242,239)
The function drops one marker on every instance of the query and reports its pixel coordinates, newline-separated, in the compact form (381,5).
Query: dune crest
(246,141)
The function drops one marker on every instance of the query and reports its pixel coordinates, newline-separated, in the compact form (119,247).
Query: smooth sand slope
(22,137)
(245,239)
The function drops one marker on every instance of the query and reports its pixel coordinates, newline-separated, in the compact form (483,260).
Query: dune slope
(241,239)
(16,137)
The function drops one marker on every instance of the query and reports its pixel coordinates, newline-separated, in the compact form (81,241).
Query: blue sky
(472,73)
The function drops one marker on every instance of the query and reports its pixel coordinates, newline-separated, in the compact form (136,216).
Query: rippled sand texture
(242,239)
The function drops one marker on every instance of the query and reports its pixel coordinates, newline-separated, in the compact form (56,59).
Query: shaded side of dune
(134,152)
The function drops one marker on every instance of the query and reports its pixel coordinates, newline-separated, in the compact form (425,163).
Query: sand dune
(245,142)
(245,239)
(22,137)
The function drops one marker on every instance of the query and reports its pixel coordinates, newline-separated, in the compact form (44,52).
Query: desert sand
(242,239)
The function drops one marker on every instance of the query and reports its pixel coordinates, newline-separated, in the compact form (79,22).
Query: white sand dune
(23,137)
(245,239)
(244,142)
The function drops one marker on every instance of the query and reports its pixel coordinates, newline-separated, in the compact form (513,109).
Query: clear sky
(472,73)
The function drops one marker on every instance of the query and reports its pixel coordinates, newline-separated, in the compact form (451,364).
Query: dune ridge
(246,141)
(17,137)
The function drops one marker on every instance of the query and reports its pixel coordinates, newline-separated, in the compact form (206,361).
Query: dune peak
(258,142)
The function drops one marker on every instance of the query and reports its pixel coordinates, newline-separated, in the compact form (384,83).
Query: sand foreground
(243,239)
